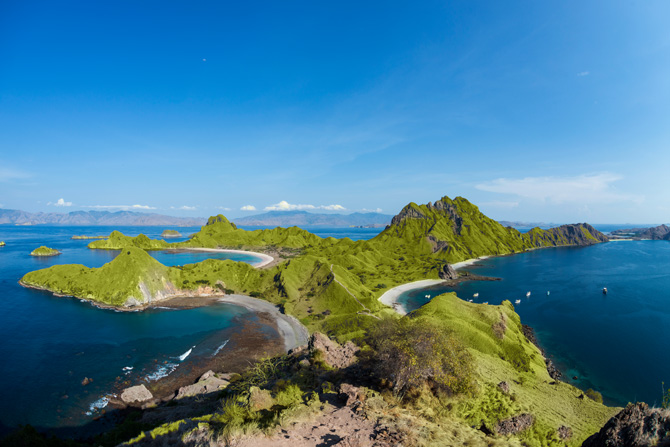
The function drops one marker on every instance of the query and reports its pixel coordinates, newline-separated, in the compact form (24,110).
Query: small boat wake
(223,345)
(186,354)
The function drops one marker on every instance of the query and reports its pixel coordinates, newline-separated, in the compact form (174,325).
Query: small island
(170,233)
(44,251)
(2,243)
(77,237)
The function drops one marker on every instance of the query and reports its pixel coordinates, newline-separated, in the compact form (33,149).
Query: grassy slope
(518,362)
(44,251)
(334,285)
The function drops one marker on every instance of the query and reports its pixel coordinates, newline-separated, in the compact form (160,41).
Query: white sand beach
(459,265)
(390,297)
(266,259)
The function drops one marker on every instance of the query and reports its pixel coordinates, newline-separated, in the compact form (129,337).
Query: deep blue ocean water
(48,344)
(618,343)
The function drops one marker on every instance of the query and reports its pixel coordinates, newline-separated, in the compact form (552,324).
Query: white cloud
(583,73)
(121,207)
(377,210)
(248,208)
(501,204)
(60,202)
(185,208)
(285,206)
(582,189)
(333,207)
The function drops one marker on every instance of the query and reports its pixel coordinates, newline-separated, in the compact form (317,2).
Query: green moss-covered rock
(44,251)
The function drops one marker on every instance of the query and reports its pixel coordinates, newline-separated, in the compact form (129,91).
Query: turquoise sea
(618,343)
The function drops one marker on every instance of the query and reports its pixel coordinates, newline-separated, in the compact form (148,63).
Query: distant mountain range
(119,218)
(303,218)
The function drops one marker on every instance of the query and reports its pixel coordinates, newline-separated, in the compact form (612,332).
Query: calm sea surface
(48,344)
(619,343)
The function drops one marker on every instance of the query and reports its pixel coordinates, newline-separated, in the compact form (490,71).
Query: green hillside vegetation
(44,251)
(170,233)
(333,286)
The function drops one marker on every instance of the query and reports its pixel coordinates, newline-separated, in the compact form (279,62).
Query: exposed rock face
(336,356)
(564,432)
(637,425)
(351,394)
(208,383)
(514,425)
(448,272)
(554,373)
(138,393)
(504,387)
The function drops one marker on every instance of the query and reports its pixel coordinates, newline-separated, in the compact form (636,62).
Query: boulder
(504,387)
(515,424)
(564,432)
(351,394)
(138,393)
(204,386)
(335,355)
(636,425)
(448,272)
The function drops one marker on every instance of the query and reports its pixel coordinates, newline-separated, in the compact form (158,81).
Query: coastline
(390,297)
(292,331)
(265,258)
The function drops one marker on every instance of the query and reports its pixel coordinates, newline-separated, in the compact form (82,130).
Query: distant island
(44,251)
(92,218)
(170,233)
(659,233)
(303,218)
(78,237)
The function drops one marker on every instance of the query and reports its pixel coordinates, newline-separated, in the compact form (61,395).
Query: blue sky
(535,111)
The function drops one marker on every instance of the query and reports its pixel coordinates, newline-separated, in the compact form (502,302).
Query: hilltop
(333,286)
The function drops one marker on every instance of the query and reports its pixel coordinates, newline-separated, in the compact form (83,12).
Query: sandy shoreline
(292,331)
(265,258)
(390,297)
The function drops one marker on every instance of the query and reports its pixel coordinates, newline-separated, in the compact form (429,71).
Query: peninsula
(500,381)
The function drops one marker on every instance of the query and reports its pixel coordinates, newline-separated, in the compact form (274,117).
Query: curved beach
(390,297)
(265,258)
(291,330)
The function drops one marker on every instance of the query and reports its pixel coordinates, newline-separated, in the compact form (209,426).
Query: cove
(615,343)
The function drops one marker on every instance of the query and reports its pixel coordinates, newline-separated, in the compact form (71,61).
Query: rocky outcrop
(335,355)
(136,394)
(553,371)
(661,232)
(637,425)
(208,383)
(260,399)
(564,432)
(448,272)
(515,424)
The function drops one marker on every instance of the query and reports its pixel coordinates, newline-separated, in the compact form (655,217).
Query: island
(44,251)
(77,237)
(659,233)
(170,233)
(458,372)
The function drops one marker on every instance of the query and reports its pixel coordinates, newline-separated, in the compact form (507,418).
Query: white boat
(475,295)
(427,296)
(485,302)
(547,293)
(527,294)
(517,302)
(469,301)
(604,290)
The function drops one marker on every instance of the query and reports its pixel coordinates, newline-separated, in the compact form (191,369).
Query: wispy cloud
(9,174)
(583,73)
(285,206)
(184,207)
(582,189)
(248,208)
(121,207)
(376,210)
(500,204)
(60,202)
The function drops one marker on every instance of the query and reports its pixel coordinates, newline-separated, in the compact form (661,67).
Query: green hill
(44,251)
